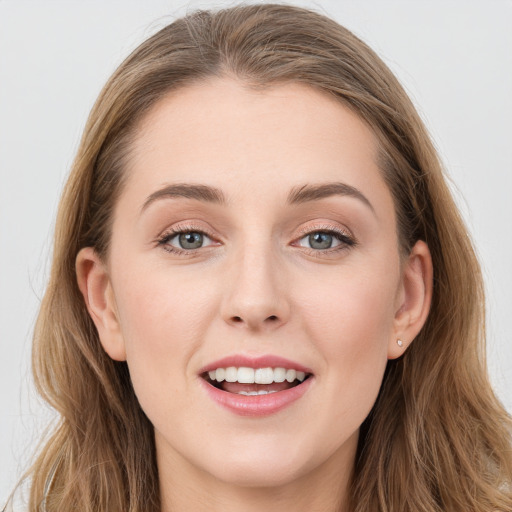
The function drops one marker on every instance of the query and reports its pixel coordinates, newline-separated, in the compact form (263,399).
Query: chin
(274,465)
(259,474)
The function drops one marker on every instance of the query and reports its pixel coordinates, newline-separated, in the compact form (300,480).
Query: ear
(94,283)
(414,298)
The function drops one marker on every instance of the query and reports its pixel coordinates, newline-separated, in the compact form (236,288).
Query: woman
(262,294)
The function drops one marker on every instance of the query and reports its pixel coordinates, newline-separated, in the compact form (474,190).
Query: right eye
(320,240)
(190,240)
(326,240)
(182,240)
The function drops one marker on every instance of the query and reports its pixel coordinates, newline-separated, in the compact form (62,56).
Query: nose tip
(256,298)
(257,316)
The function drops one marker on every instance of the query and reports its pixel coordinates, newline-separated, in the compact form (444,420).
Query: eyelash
(346,241)
(165,238)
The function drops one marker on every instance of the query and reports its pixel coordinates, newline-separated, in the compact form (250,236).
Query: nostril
(241,320)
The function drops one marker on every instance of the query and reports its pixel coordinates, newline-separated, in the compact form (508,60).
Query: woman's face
(254,231)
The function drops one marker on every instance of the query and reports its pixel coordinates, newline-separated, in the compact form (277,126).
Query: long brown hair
(436,440)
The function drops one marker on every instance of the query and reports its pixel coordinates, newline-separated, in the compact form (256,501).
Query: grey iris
(191,240)
(320,240)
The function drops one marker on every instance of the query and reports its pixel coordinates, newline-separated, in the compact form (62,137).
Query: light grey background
(454,58)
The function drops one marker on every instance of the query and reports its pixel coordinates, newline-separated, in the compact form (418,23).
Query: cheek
(350,318)
(163,321)
(351,310)
(166,305)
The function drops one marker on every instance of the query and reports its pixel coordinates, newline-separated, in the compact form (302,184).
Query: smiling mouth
(254,381)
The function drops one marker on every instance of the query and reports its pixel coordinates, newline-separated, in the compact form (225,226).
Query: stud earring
(400,343)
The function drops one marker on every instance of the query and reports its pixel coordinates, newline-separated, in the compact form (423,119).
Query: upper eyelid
(330,228)
(184,227)
(178,228)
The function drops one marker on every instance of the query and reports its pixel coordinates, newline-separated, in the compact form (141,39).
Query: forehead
(251,142)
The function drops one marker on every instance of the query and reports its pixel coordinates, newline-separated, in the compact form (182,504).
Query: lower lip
(257,405)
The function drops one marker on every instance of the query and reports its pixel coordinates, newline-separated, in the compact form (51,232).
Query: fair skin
(246,279)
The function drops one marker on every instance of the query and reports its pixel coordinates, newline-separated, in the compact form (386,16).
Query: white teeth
(279,375)
(245,375)
(254,393)
(231,374)
(264,376)
(291,375)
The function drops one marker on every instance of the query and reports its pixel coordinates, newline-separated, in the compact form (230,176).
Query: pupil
(320,240)
(191,240)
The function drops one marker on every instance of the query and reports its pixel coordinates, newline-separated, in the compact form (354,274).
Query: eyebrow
(306,193)
(298,195)
(189,191)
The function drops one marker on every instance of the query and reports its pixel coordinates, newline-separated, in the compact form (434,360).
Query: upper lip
(263,361)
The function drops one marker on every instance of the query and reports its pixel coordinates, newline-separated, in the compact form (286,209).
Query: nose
(256,296)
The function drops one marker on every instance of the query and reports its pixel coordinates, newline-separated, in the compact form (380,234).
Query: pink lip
(258,405)
(266,361)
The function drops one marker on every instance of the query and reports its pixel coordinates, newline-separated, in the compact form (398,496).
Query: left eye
(189,240)
(321,240)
